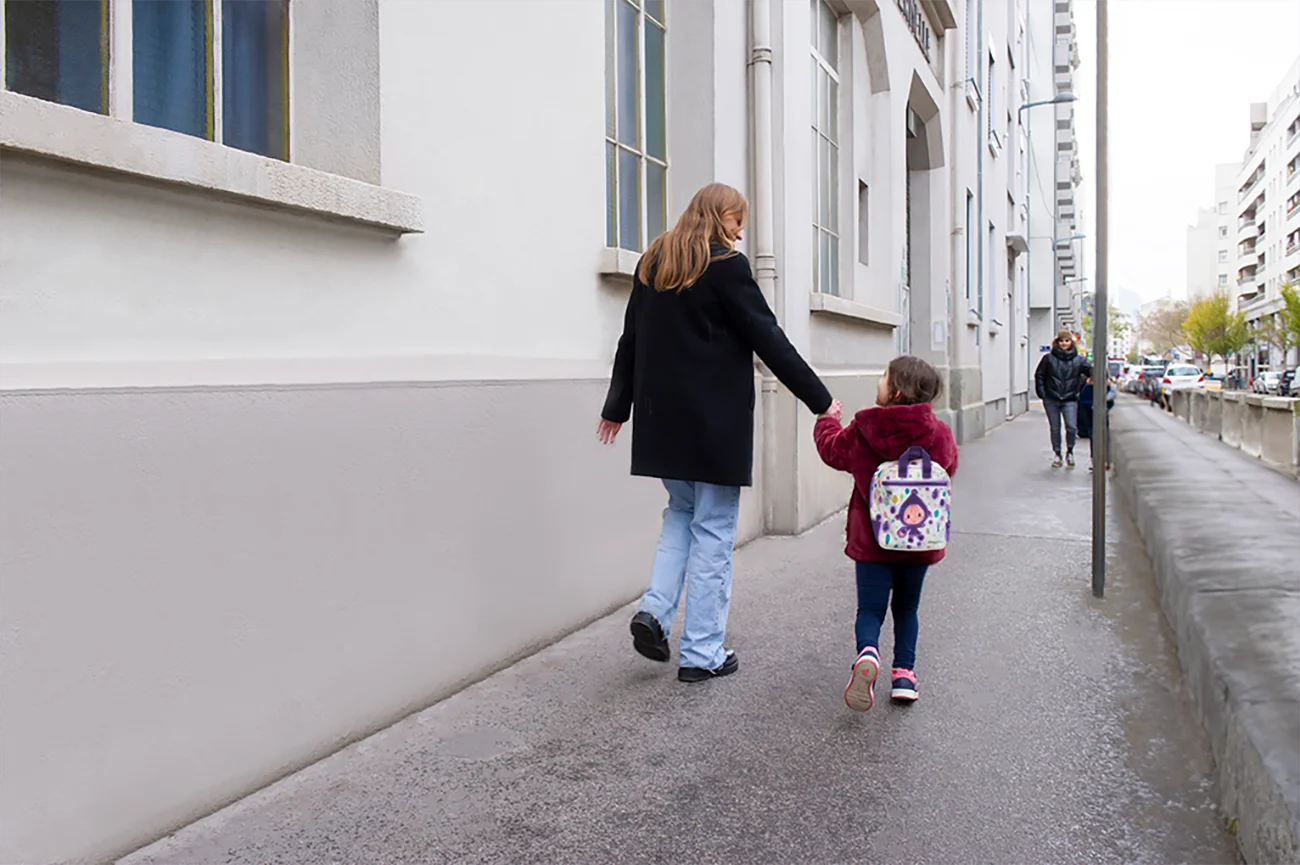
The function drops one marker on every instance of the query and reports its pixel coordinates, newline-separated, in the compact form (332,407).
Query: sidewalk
(1051,727)
(1224,532)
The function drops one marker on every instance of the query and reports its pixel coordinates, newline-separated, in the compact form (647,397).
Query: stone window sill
(829,304)
(619,262)
(70,135)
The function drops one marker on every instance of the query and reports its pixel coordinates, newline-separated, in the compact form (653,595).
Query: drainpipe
(981,142)
(760,204)
(777,517)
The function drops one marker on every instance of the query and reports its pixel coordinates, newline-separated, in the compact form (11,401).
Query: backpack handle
(915,453)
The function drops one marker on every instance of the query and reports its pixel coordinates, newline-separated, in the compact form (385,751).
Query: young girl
(685,369)
(901,419)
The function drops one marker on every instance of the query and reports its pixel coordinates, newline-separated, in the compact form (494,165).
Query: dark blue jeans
(876,581)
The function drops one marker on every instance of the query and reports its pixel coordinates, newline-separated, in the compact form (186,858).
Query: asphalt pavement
(1052,727)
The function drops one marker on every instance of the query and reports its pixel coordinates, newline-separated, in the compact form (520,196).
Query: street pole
(1100,372)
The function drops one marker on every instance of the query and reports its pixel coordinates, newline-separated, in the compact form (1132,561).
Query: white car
(1266,381)
(1179,376)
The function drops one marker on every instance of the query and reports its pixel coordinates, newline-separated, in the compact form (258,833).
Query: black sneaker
(700,674)
(648,637)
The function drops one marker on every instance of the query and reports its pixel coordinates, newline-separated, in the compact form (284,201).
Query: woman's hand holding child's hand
(607,431)
(836,411)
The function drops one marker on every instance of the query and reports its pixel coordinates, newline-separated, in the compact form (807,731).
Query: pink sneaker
(858,694)
(904,688)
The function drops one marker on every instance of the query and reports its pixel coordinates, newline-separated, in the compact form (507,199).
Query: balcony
(1251,185)
(1246,228)
(1291,249)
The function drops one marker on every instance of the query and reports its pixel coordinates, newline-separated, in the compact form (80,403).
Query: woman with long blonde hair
(685,367)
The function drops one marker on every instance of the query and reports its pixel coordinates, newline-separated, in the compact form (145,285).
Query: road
(1051,727)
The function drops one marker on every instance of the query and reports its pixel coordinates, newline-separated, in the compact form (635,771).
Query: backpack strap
(915,453)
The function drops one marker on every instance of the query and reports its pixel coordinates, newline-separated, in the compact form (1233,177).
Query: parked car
(1179,376)
(1286,385)
(1148,383)
(1266,381)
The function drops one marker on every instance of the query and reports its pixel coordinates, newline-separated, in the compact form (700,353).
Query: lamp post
(1100,427)
(1059,99)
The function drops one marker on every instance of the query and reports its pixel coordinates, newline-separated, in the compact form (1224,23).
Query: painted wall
(205,589)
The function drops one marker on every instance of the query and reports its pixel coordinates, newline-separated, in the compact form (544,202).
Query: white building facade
(1211,240)
(1267,206)
(1055,173)
(307,313)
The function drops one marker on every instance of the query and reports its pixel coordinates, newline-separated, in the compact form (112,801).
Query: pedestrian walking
(1057,381)
(887,536)
(1086,403)
(684,371)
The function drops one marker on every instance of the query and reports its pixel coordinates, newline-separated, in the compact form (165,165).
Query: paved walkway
(1051,727)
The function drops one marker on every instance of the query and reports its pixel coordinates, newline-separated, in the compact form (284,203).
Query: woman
(685,364)
(1057,381)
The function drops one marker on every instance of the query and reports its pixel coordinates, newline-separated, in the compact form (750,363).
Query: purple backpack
(911,503)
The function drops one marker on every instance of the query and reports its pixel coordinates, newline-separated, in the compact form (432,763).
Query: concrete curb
(1226,565)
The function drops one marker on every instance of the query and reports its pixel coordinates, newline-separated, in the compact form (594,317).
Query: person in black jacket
(685,368)
(1057,381)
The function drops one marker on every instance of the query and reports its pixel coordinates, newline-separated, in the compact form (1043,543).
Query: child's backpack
(910,503)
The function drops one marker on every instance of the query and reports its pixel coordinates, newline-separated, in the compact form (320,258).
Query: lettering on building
(916,22)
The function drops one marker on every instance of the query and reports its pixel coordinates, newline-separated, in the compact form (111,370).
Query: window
(1223,231)
(989,94)
(1223,255)
(58,51)
(636,139)
(972,46)
(1223,280)
(1223,207)
(970,249)
(214,70)
(826,149)
(864,236)
(993,249)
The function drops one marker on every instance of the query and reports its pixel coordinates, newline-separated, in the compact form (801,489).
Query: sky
(1182,76)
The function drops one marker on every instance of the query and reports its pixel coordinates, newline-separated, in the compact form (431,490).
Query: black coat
(1060,375)
(686,363)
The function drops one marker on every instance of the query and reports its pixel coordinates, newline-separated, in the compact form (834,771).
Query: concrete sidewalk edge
(1251,749)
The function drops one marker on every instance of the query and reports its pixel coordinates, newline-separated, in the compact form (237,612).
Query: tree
(1162,328)
(1274,333)
(1289,314)
(1213,328)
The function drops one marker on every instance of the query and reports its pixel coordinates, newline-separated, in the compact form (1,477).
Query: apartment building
(307,315)
(1056,241)
(1268,216)
(1211,254)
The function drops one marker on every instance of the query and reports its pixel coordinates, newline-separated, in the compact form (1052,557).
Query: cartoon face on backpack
(912,513)
(910,503)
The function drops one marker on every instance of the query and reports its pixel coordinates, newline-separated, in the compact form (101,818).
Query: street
(1051,727)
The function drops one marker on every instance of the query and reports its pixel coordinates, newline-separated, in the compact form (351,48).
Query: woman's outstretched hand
(836,411)
(607,431)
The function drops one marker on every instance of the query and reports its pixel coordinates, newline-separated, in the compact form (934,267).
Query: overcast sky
(1182,76)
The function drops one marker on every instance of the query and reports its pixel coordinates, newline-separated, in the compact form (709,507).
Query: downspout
(763,236)
(981,142)
(760,205)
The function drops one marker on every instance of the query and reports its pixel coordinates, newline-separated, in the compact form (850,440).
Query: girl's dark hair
(912,381)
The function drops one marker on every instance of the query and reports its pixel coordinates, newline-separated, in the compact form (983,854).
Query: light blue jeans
(698,537)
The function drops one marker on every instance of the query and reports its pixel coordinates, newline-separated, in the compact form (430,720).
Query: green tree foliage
(1213,329)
